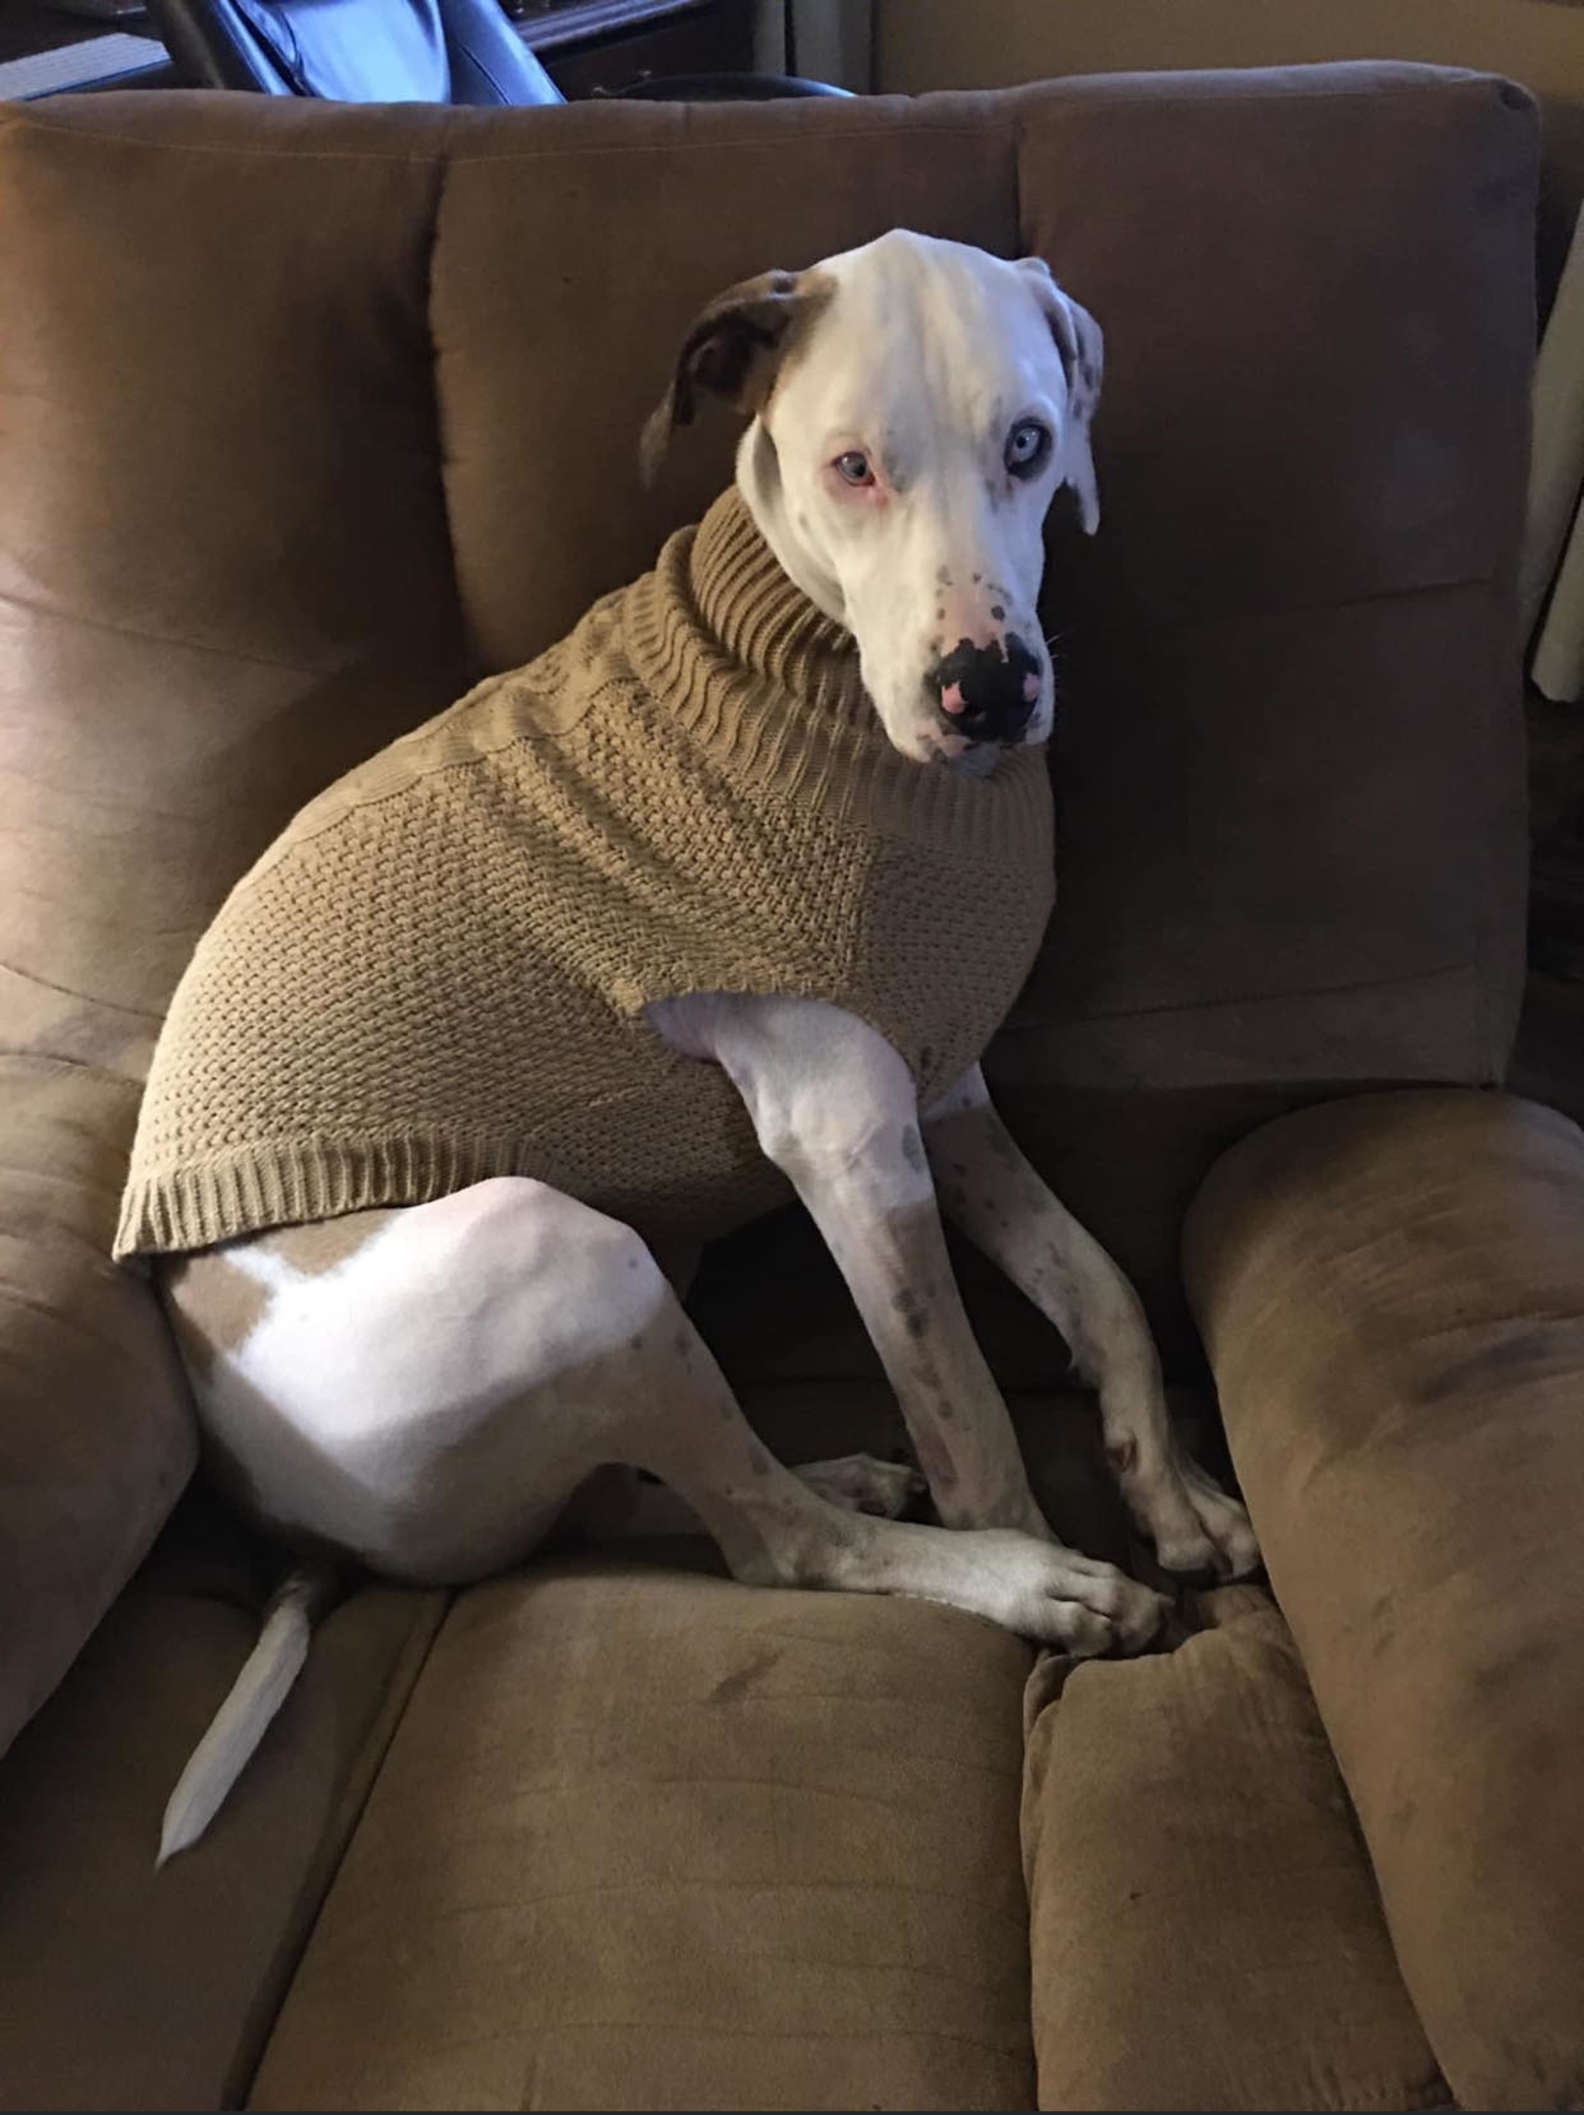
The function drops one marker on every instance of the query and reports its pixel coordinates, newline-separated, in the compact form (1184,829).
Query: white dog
(424,1385)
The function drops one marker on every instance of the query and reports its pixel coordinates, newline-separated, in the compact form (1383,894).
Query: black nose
(992,682)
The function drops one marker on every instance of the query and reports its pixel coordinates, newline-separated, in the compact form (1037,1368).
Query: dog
(424,1386)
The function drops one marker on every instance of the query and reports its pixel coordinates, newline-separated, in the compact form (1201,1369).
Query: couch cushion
(1205,1931)
(1290,764)
(127,1988)
(1392,1290)
(96,1435)
(650,1840)
(223,576)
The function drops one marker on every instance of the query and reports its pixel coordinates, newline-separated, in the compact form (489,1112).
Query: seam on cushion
(1483,936)
(256,154)
(1255,613)
(1503,688)
(445,152)
(1440,85)
(520,1899)
(134,631)
(275,1984)
(441,453)
(1056,106)
(70,1183)
(1395,77)
(49,1062)
(556,1788)
(924,1971)
(12,1297)
(84,998)
(1261,999)
(1008,1773)
(893,1647)
(583,2023)
(765,142)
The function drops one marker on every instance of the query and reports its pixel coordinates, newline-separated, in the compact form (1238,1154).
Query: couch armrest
(97,1435)
(1391,1292)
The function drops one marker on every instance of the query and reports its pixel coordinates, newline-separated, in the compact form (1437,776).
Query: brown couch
(308,415)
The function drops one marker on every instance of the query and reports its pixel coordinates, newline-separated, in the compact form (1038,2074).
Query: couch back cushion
(1290,781)
(314,412)
(224,575)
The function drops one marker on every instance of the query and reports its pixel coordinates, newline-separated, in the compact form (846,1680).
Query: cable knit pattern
(437,972)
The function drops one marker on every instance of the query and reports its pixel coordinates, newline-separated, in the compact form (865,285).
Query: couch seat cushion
(1205,1930)
(649,1839)
(130,1988)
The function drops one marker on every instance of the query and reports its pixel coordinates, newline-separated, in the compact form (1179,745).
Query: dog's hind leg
(431,1401)
(857,1482)
(429,1397)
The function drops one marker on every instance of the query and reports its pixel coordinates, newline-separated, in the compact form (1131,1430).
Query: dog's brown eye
(1027,446)
(854,468)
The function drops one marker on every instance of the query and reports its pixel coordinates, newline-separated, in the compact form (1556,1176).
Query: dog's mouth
(936,741)
(978,760)
(942,749)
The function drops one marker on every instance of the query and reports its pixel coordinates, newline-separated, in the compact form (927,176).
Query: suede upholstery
(1191,1792)
(127,1988)
(313,415)
(1392,1292)
(216,597)
(754,1850)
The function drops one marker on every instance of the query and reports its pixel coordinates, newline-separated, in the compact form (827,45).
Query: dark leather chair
(398,51)
(354,51)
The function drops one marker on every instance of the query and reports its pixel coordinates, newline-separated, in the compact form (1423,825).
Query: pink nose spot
(1030,689)
(952,699)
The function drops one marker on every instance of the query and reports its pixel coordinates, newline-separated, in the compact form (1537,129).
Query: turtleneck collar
(769,687)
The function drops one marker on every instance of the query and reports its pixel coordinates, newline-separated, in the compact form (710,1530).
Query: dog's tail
(256,1695)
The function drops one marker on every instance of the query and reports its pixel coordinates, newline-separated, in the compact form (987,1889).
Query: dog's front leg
(833,1106)
(999,1200)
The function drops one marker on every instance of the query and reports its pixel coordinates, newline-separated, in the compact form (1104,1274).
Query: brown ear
(734,349)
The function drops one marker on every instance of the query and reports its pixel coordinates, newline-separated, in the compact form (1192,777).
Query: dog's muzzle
(987,693)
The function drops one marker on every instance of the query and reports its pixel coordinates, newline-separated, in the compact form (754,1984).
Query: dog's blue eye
(854,467)
(1027,446)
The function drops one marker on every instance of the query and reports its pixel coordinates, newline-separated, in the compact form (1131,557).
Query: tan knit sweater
(437,972)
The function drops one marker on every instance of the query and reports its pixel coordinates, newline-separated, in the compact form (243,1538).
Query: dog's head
(916,405)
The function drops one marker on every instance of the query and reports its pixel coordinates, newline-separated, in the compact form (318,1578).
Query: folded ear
(734,349)
(1081,344)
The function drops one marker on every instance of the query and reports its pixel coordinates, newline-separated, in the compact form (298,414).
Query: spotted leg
(991,1191)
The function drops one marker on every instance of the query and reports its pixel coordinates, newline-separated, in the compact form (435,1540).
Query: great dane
(506,1339)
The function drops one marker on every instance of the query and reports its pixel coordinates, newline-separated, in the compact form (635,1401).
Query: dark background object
(420,51)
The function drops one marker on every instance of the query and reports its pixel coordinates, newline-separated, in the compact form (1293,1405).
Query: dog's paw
(1196,1526)
(1131,1612)
(1062,1598)
(1234,1548)
(860,1484)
